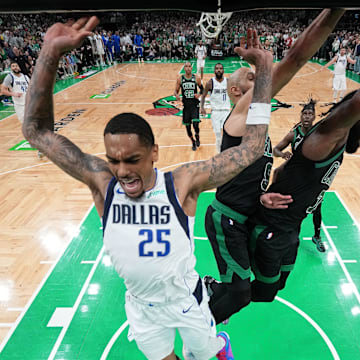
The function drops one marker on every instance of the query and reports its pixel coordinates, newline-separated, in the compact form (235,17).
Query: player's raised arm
(284,143)
(39,113)
(223,167)
(305,47)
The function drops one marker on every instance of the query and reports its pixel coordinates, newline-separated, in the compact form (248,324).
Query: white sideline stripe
(14,309)
(187,145)
(113,339)
(76,305)
(61,317)
(341,262)
(143,77)
(46,261)
(200,238)
(350,261)
(88,262)
(24,168)
(314,325)
(347,209)
(331,227)
(27,306)
(6,325)
(307,238)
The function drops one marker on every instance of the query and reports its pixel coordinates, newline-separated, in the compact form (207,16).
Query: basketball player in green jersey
(294,138)
(189,84)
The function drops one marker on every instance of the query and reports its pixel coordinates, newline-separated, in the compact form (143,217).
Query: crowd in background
(165,35)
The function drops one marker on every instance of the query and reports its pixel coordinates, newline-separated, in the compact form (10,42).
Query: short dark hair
(310,105)
(14,62)
(218,64)
(130,123)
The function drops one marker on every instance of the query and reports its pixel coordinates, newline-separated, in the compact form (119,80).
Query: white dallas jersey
(219,99)
(150,241)
(200,51)
(17,84)
(340,65)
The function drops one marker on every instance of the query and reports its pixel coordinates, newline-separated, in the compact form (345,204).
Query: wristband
(259,113)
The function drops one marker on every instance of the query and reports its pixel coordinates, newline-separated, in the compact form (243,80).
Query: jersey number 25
(150,234)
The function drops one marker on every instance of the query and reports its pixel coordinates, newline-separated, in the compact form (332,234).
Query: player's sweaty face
(131,162)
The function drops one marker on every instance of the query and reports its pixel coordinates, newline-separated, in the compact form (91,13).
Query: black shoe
(193,146)
(208,282)
(319,244)
(197,142)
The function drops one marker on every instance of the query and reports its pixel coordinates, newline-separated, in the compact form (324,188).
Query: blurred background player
(294,138)
(200,54)
(189,83)
(139,43)
(15,85)
(219,101)
(339,79)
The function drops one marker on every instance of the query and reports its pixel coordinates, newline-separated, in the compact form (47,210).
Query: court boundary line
(76,305)
(113,339)
(39,287)
(312,322)
(342,264)
(346,208)
(337,254)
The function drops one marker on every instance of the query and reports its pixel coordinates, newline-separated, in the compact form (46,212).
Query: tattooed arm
(193,178)
(38,123)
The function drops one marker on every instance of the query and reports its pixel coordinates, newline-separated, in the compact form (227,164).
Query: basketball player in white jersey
(148,215)
(339,79)
(200,53)
(219,101)
(15,85)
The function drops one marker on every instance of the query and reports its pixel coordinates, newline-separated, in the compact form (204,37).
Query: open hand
(254,51)
(64,37)
(275,200)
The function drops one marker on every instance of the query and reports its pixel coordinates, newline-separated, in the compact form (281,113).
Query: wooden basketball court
(42,208)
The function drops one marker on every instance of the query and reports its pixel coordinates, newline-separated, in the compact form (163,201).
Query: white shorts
(20,110)
(218,118)
(100,50)
(153,326)
(339,82)
(200,64)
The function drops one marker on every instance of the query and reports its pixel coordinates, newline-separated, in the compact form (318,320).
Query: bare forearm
(277,152)
(262,86)
(39,98)
(317,32)
(232,161)
(305,47)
